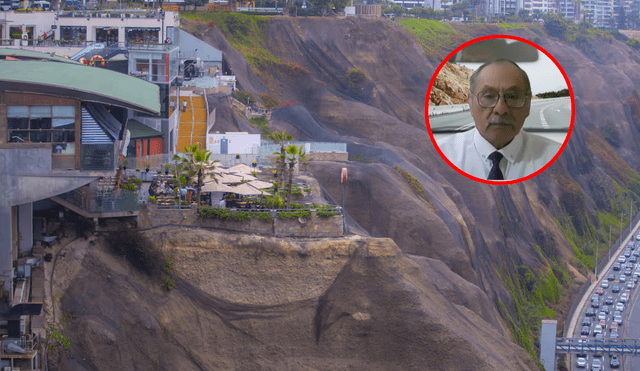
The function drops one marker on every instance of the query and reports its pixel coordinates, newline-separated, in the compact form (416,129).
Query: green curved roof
(77,81)
(30,54)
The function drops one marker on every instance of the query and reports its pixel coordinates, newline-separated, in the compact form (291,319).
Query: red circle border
(494,182)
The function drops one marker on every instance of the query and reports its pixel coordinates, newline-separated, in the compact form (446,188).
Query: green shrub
(168,283)
(269,101)
(634,43)
(355,77)
(244,97)
(129,187)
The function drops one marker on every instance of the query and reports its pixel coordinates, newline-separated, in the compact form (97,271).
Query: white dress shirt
(526,154)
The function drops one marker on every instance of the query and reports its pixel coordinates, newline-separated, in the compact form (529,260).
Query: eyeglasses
(489,99)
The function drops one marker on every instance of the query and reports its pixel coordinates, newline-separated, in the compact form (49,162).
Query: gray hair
(474,76)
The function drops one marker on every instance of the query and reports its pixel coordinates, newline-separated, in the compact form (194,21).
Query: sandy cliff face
(252,303)
(451,85)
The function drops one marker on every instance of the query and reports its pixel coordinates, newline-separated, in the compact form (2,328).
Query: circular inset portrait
(500,109)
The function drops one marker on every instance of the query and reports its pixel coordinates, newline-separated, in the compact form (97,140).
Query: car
(603,323)
(611,277)
(616,267)
(605,284)
(622,259)
(631,285)
(638,237)
(636,253)
(596,363)
(613,334)
(595,304)
(635,279)
(581,362)
(627,253)
(628,271)
(609,300)
(586,321)
(633,259)
(617,313)
(605,309)
(618,320)
(622,278)
(600,290)
(599,337)
(615,288)
(614,326)
(602,316)
(597,330)
(585,330)
(624,297)
(620,307)
(615,361)
(590,312)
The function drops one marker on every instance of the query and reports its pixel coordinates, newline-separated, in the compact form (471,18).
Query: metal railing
(620,346)
(104,201)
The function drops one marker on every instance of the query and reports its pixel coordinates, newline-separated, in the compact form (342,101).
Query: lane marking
(543,122)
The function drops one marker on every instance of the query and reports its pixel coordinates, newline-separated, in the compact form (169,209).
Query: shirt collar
(511,151)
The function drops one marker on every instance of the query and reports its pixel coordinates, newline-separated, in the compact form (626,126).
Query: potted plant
(166,169)
(124,163)
(147,165)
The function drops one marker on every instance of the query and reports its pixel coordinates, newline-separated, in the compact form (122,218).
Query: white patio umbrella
(260,184)
(216,187)
(229,178)
(240,168)
(246,190)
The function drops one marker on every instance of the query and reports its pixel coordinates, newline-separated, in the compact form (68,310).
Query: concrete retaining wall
(150,216)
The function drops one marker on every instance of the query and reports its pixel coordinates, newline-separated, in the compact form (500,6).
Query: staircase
(193,122)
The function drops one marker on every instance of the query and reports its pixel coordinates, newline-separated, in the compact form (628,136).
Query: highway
(617,276)
(546,114)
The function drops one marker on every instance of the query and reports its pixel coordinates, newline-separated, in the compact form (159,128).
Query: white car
(605,284)
(624,297)
(581,362)
(620,307)
(602,315)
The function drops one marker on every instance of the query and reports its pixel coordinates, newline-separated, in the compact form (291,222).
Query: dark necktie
(495,173)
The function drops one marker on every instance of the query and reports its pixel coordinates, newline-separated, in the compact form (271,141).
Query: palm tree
(293,155)
(280,138)
(195,162)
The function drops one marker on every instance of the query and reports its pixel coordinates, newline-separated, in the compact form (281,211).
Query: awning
(77,81)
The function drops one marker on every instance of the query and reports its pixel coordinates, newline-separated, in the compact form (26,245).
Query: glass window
(18,122)
(17,111)
(41,123)
(35,123)
(66,123)
(40,111)
(64,111)
(40,136)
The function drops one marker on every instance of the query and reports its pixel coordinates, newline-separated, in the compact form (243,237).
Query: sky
(543,74)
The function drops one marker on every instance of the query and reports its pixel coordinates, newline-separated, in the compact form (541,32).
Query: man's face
(499,124)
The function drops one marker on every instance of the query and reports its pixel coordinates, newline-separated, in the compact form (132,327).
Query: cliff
(447,279)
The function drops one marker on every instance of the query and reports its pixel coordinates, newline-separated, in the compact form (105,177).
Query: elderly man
(497,149)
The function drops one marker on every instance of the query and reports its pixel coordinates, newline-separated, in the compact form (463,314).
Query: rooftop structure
(57,133)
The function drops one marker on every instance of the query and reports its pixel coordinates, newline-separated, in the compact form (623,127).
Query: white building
(233,143)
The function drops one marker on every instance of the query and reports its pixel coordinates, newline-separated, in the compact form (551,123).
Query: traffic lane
(452,121)
(605,359)
(549,115)
(631,324)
